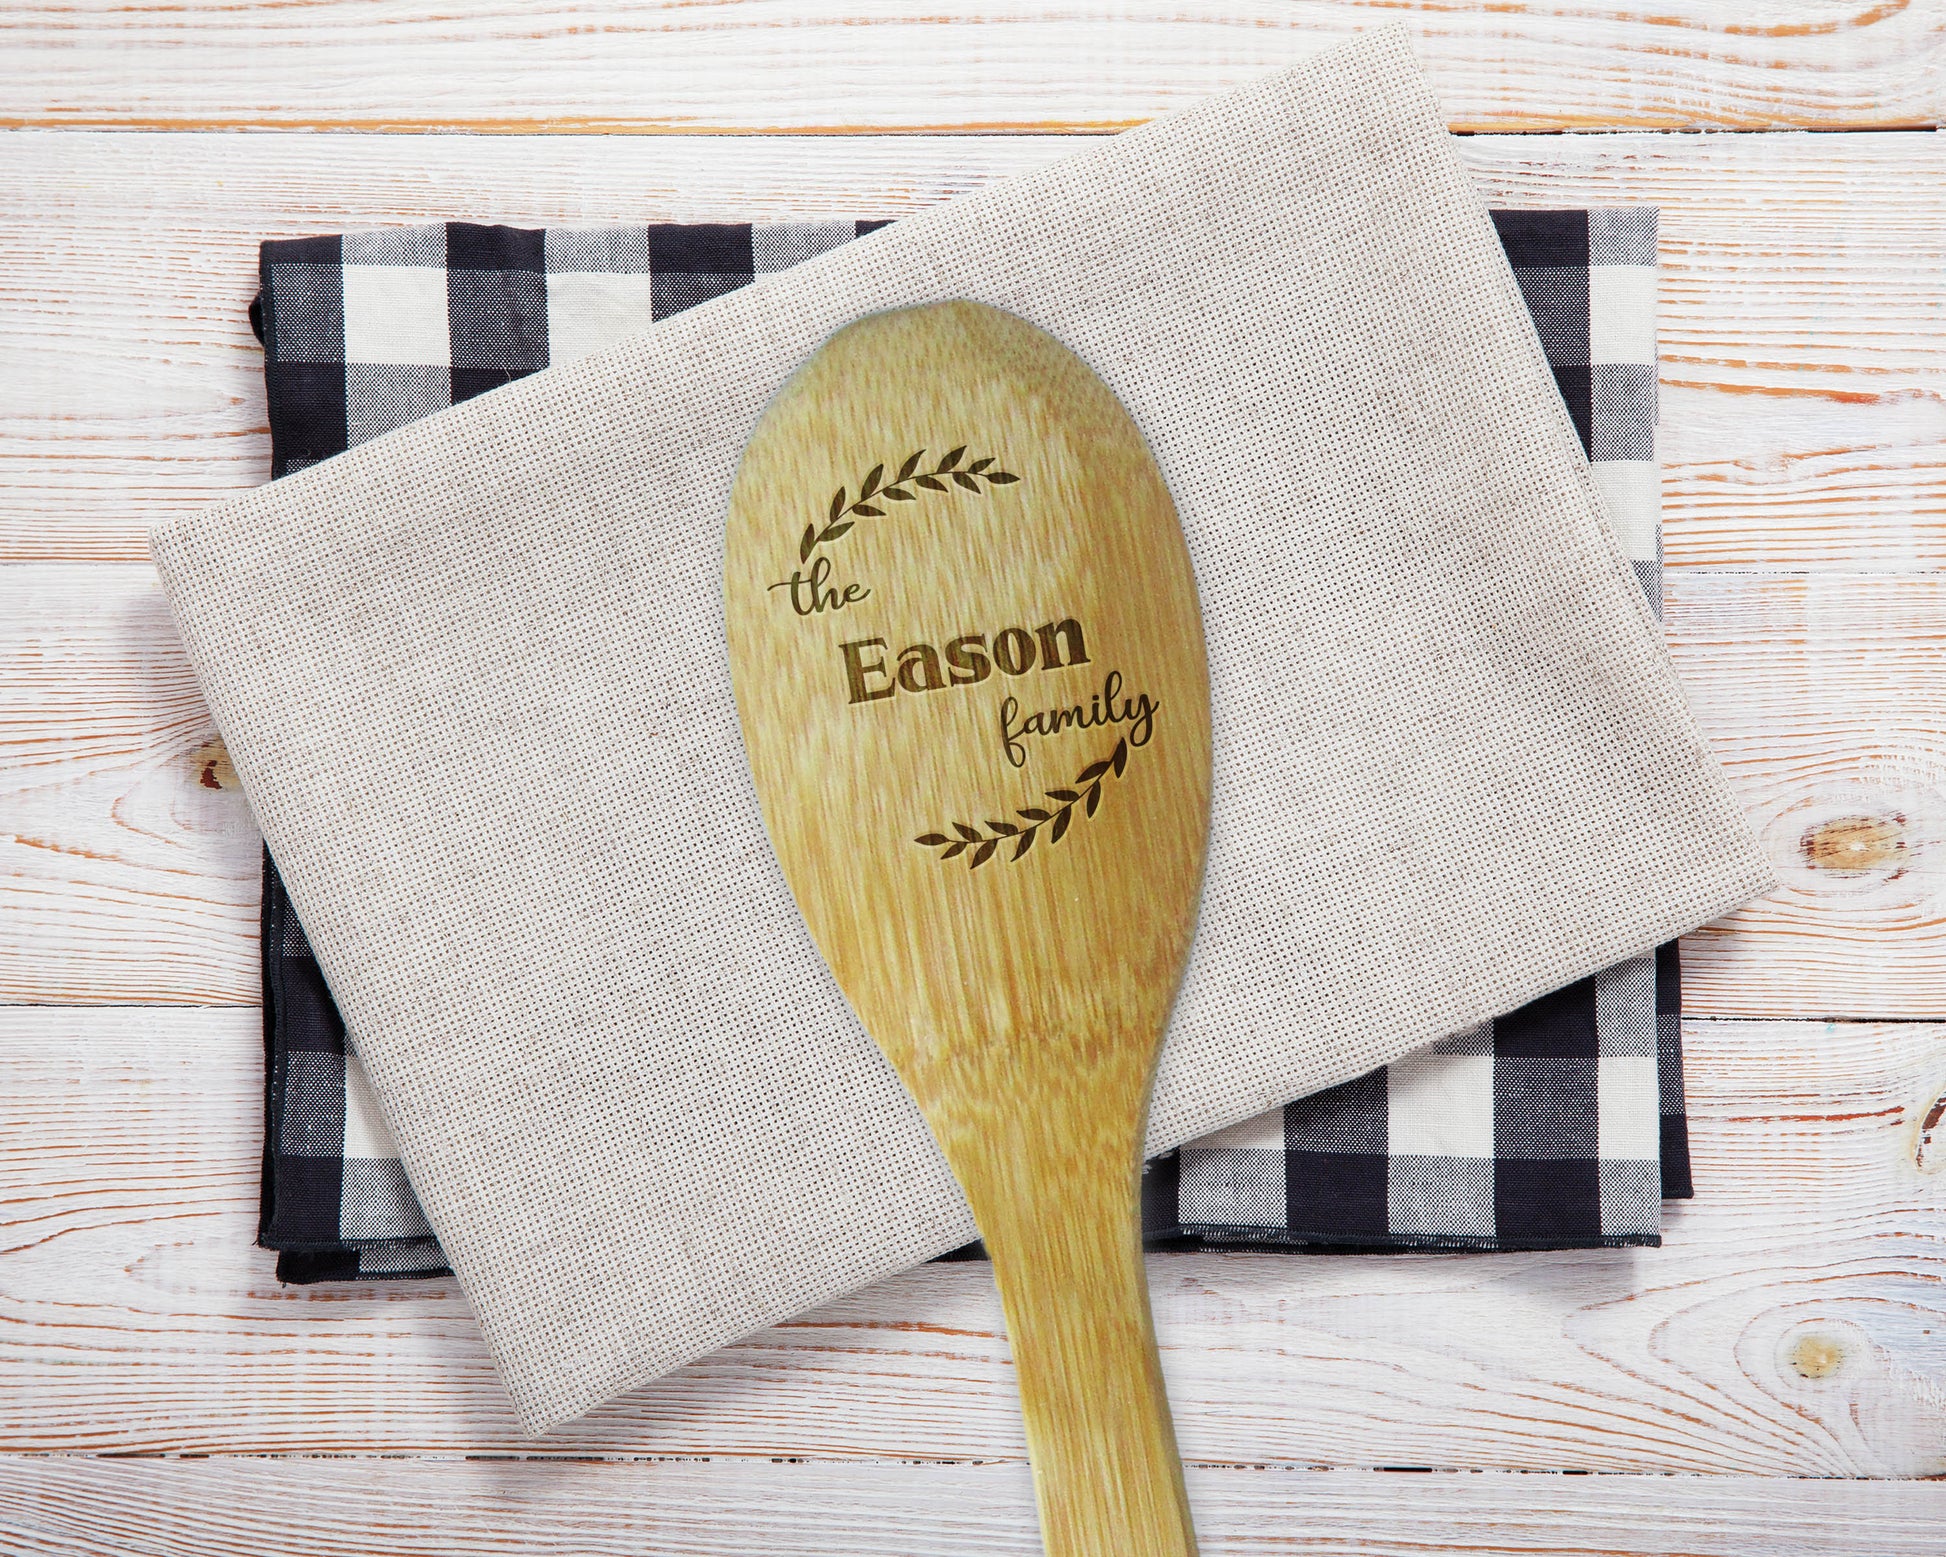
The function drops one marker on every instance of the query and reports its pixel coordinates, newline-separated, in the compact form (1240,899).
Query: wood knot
(1815,1356)
(1930,1153)
(1854,845)
(211,761)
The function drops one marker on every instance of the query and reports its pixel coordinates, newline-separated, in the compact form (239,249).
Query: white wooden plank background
(1792,1327)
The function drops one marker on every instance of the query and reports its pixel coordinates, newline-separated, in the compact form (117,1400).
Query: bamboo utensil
(969,665)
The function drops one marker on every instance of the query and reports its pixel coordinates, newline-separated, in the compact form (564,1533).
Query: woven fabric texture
(1556,1148)
(471,675)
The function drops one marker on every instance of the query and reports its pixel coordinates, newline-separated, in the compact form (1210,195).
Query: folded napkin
(472,679)
(1521,1138)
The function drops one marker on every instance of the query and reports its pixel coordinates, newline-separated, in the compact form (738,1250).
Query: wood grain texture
(841,66)
(998,841)
(1789,1327)
(394,1508)
(131,871)
(1802,404)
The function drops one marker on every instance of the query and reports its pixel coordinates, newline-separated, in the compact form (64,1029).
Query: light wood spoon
(969,663)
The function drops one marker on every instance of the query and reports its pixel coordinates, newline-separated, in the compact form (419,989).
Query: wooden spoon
(968,659)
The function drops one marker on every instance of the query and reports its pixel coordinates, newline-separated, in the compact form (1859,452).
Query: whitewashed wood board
(128,861)
(1789,1327)
(154,897)
(440,1508)
(1802,406)
(1825,699)
(848,65)
(1804,393)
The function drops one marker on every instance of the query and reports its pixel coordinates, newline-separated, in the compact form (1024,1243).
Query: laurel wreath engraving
(1086,793)
(843,514)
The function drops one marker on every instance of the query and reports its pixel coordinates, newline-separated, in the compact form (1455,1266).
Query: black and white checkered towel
(1559,1125)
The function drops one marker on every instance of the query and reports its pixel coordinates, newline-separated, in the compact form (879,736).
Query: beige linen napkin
(473,679)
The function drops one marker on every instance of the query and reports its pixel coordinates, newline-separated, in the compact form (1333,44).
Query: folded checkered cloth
(1559,1125)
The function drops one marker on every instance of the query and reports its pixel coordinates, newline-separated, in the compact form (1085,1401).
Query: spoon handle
(1064,1233)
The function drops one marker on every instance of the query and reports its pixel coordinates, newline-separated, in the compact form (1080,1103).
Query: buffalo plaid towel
(1560,1125)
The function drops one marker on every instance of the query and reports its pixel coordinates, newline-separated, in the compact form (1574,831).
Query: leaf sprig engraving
(1085,793)
(845,511)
